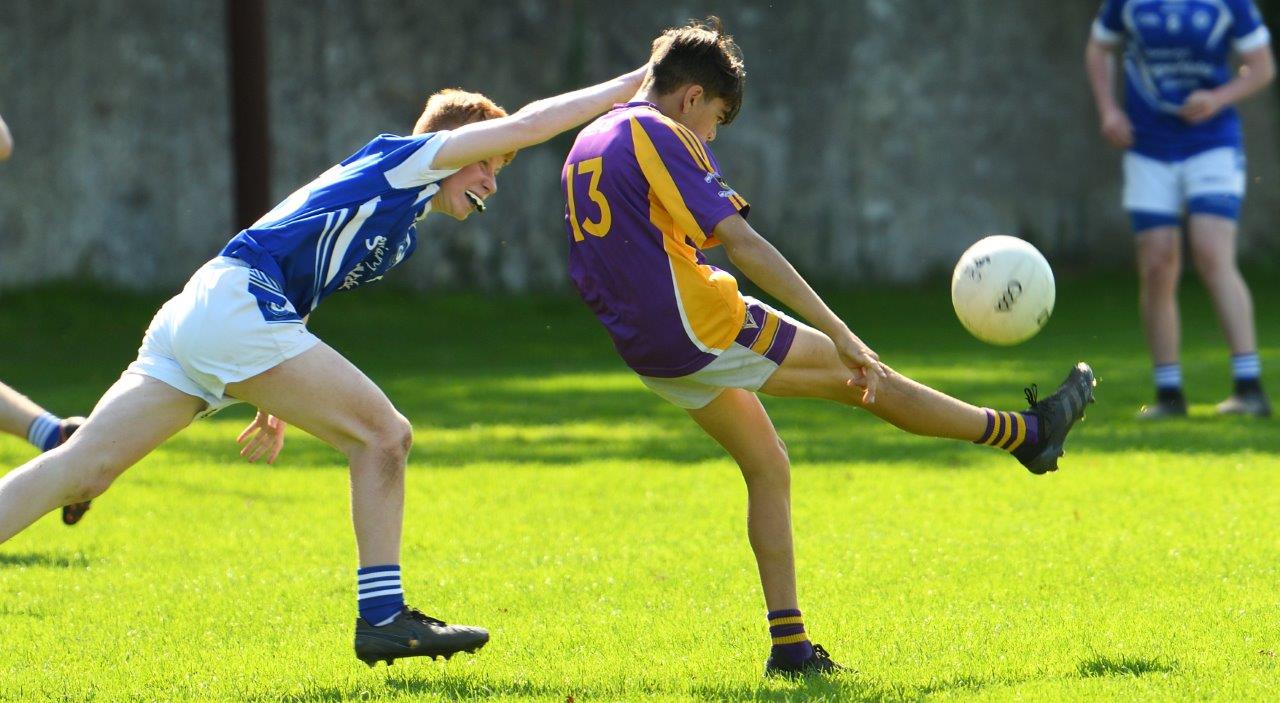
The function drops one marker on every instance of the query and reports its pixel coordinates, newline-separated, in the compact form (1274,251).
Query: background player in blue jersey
(237,332)
(19,415)
(1184,157)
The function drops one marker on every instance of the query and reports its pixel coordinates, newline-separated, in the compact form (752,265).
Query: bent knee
(390,439)
(769,467)
(94,478)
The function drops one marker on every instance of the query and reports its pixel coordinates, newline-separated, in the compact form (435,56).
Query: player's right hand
(1117,129)
(864,362)
(265,437)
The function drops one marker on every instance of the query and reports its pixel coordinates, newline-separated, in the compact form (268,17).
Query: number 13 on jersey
(596,228)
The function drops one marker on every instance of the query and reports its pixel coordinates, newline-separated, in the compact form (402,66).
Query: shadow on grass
(178,485)
(561,377)
(8,610)
(847,687)
(55,561)
(583,427)
(1123,665)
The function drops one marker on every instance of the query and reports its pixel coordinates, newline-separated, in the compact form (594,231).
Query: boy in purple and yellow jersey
(644,199)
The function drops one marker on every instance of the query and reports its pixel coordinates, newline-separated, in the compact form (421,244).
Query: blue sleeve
(407,160)
(1109,28)
(1247,30)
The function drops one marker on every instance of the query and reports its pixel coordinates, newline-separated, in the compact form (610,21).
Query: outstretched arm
(761,262)
(534,123)
(6,141)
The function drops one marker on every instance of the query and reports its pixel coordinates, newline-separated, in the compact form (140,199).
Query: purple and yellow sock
(790,643)
(1009,430)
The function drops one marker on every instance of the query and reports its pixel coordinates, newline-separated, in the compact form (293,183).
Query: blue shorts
(1157,193)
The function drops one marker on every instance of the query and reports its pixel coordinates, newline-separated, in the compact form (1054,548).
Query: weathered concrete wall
(878,139)
(121,170)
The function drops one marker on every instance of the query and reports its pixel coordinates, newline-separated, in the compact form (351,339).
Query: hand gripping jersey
(346,228)
(1175,47)
(643,195)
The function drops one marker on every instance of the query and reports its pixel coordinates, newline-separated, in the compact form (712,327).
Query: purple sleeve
(698,184)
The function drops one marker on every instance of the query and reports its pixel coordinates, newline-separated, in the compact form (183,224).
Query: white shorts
(761,347)
(213,333)
(1212,181)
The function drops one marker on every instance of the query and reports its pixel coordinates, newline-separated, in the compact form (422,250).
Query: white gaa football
(1002,290)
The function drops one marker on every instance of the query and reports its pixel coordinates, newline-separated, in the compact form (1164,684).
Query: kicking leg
(738,421)
(135,416)
(325,395)
(812,369)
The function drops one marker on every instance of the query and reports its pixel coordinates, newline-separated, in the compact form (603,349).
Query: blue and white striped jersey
(346,228)
(1175,47)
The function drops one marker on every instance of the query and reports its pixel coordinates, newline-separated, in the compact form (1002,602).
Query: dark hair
(699,53)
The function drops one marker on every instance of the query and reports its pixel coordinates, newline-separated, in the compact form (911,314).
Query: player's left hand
(1201,106)
(265,437)
(864,362)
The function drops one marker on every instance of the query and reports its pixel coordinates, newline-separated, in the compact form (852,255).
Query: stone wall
(121,169)
(878,138)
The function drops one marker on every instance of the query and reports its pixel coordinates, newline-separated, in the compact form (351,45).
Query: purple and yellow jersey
(643,196)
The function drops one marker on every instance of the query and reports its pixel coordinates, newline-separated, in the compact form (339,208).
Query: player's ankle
(1010,431)
(380,597)
(790,642)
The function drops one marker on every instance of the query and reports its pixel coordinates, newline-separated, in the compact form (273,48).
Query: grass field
(601,538)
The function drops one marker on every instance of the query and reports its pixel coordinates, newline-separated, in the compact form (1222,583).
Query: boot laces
(423,617)
(1033,393)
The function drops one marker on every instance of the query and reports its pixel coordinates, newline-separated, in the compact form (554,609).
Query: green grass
(601,538)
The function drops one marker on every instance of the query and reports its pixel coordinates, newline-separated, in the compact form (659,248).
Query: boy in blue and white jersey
(354,222)
(1185,157)
(237,332)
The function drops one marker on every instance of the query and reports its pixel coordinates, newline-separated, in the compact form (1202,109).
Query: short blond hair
(453,107)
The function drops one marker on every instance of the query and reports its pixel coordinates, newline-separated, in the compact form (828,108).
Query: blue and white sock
(1246,367)
(1246,371)
(379,596)
(1168,377)
(45,432)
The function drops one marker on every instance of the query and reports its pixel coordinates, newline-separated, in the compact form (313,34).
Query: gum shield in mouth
(475,200)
